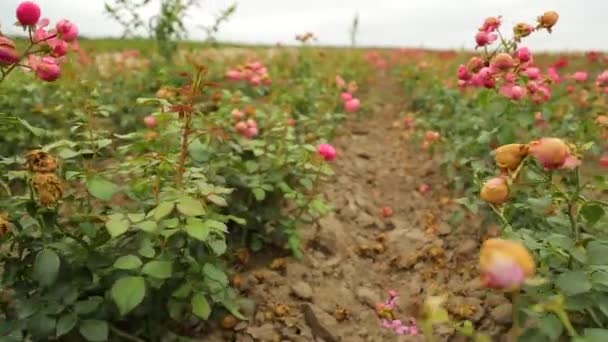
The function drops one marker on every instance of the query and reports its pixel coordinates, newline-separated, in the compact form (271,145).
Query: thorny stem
(572,205)
(184,148)
(501,215)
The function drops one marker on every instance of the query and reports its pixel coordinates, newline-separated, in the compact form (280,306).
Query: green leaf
(217,200)
(94,330)
(217,225)
(551,326)
(259,194)
(218,246)
(200,306)
(163,210)
(573,283)
(197,229)
(85,307)
(190,206)
(34,130)
(117,225)
(136,217)
(101,188)
(147,226)
(158,269)
(183,291)
(596,335)
(146,248)
(214,273)
(596,253)
(592,212)
(41,325)
(66,323)
(46,267)
(127,262)
(128,293)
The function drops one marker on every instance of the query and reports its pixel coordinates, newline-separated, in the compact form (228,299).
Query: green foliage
(149,219)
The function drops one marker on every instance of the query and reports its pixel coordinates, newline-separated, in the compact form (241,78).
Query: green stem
(563,317)
(572,206)
(516,298)
(427,331)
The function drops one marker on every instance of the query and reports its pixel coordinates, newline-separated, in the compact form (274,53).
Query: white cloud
(428,23)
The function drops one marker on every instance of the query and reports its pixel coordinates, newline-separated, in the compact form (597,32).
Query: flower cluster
(55,43)
(385,312)
(509,68)
(429,138)
(245,125)
(551,153)
(253,72)
(376,60)
(351,103)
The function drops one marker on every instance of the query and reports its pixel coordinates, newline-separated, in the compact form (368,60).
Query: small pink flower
(28,13)
(47,69)
(490,24)
(580,76)
(234,75)
(8,53)
(255,80)
(67,30)
(463,73)
(251,132)
(326,151)
(483,38)
(604,161)
(59,48)
(352,105)
(424,188)
(602,79)
(431,136)
(532,73)
(237,114)
(241,127)
(150,121)
(553,75)
(523,54)
(346,96)
(515,92)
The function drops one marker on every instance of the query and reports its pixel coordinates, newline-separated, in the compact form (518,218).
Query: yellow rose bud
(505,264)
(495,191)
(510,156)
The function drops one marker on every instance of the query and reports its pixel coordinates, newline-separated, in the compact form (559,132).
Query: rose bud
(509,156)
(553,153)
(502,61)
(495,191)
(522,30)
(548,20)
(504,264)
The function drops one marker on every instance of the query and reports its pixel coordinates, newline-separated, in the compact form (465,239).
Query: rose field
(161,189)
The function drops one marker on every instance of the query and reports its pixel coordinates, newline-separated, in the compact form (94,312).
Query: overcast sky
(410,23)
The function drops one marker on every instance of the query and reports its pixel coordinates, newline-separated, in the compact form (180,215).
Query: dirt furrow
(355,255)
